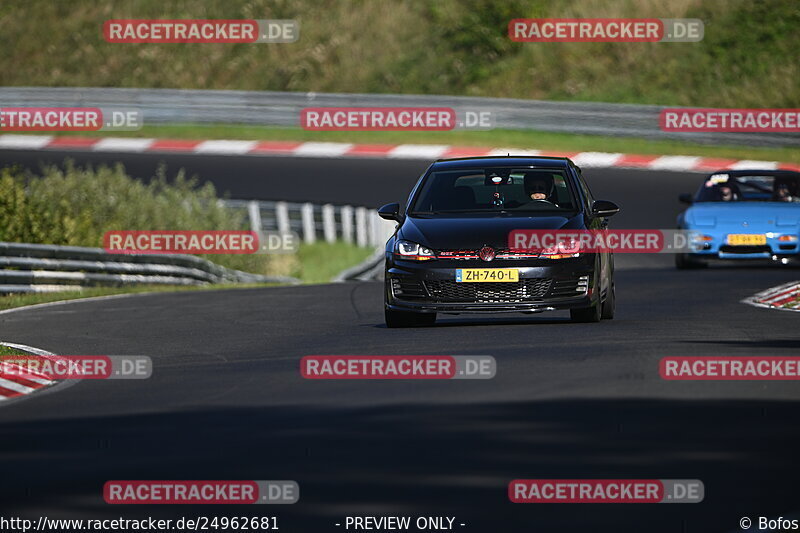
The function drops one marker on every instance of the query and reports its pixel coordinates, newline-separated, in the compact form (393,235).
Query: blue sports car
(743,214)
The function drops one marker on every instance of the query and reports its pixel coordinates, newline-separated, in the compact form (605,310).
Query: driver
(539,186)
(726,193)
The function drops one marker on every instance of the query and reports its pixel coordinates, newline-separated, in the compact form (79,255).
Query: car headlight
(413,251)
(565,249)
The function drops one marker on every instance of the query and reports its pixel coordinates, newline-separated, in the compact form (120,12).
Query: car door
(596,223)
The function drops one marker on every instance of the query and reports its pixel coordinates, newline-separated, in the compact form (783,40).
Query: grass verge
(320,262)
(499,138)
(5,351)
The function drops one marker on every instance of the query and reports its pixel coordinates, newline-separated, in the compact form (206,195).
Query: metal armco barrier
(163,106)
(50,268)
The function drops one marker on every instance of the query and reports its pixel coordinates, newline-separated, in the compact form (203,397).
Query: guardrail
(50,268)
(283,109)
(370,269)
(354,225)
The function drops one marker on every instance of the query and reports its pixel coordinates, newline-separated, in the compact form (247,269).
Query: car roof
(502,161)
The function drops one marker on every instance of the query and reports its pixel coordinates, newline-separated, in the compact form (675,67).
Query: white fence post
(307,214)
(361,226)
(347,223)
(328,223)
(282,217)
(387,229)
(254,212)
(374,229)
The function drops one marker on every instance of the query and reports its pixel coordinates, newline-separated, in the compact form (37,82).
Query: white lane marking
(597,159)
(747,164)
(403,151)
(322,149)
(418,151)
(225,147)
(122,144)
(514,151)
(41,381)
(26,373)
(674,162)
(64,302)
(16,387)
(25,141)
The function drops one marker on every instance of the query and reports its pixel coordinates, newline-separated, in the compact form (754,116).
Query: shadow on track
(421,460)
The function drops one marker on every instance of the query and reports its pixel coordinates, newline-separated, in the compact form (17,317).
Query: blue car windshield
(530,191)
(756,188)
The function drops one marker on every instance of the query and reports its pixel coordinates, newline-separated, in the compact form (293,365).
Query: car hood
(752,215)
(443,233)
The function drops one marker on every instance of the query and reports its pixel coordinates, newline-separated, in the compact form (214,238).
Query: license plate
(747,240)
(482,275)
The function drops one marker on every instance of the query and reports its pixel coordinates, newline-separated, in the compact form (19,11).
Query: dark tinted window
(756,188)
(495,189)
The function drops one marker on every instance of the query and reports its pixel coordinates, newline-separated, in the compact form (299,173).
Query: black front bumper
(430,287)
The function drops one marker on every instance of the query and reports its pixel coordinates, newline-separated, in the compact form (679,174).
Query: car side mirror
(390,212)
(685,198)
(604,208)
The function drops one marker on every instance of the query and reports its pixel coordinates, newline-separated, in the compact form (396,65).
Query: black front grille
(500,253)
(744,249)
(523,290)
(567,287)
(408,288)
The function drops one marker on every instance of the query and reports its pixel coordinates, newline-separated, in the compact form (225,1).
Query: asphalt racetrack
(226,399)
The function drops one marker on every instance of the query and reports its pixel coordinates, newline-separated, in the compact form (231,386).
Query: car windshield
(755,188)
(543,191)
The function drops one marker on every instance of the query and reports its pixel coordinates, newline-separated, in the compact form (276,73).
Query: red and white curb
(783,297)
(12,386)
(678,163)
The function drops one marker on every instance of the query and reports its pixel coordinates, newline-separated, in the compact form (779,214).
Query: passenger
(783,194)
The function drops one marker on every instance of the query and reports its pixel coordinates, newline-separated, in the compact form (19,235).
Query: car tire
(408,319)
(609,305)
(684,262)
(587,314)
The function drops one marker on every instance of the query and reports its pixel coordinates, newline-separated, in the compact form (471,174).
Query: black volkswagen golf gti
(450,252)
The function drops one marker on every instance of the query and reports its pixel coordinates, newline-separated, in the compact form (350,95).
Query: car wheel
(408,319)
(609,305)
(684,262)
(587,314)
